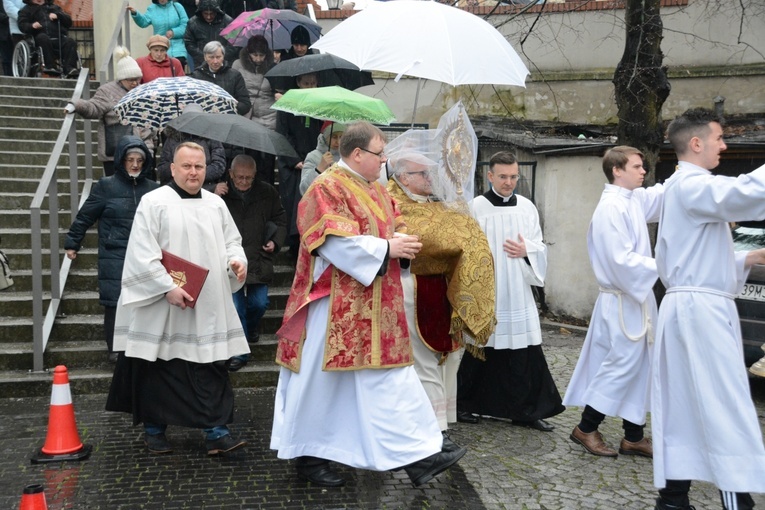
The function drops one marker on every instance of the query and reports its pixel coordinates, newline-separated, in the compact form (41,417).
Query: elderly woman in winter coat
(128,76)
(112,203)
(168,18)
(254,61)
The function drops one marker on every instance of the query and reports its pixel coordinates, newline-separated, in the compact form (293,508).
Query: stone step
(80,280)
(54,113)
(38,156)
(91,353)
(28,185)
(22,238)
(18,302)
(36,86)
(20,121)
(23,383)
(44,145)
(32,135)
(22,218)
(36,170)
(58,100)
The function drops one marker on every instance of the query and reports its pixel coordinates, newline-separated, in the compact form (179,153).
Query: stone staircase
(31,112)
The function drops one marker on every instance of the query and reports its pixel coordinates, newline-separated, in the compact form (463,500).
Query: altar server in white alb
(514,382)
(704,423)
(612,374)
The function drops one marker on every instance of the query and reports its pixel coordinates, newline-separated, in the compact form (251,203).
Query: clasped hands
(404,246)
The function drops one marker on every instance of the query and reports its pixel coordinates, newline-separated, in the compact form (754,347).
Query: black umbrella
(330,70)
(234,130)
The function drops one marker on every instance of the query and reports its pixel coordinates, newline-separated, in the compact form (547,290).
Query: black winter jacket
(199,32)
(251,211)
(112,202)
(229,80)
(41,13)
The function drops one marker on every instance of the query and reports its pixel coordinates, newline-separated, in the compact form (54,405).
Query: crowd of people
(407,313)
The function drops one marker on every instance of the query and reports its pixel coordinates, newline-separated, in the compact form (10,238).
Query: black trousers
(51,48)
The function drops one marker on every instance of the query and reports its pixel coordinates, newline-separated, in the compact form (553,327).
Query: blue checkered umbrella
(156,103)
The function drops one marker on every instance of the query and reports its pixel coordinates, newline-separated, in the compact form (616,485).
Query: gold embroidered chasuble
(453,245)
(366,327)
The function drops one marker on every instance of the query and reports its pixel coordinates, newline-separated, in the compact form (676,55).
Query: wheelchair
(28,60)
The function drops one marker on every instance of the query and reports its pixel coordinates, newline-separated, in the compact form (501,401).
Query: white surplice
(377,419)
(146,325)
(704,423)
(612,374)
(517,315)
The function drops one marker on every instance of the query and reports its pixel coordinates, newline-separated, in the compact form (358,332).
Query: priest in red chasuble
(347,390)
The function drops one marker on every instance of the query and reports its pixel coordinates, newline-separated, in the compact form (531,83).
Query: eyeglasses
(421,172)
(244,178)
(380,154)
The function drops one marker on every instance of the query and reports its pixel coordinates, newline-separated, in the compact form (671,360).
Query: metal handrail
(42,322)
(120,36)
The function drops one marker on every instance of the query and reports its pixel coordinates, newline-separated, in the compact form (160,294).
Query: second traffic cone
(63,440)
(33,498)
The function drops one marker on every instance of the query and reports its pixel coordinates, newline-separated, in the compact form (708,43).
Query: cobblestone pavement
(506,467)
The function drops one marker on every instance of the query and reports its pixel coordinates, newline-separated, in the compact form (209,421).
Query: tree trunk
(641,84)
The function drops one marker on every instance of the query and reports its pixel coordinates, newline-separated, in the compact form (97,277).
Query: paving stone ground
(506,467)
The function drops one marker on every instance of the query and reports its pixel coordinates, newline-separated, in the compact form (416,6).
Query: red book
(186,275)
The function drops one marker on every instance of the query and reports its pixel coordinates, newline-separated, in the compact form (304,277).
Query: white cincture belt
(704,290)
(646,331)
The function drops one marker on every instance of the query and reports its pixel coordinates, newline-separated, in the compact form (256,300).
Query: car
(751,301)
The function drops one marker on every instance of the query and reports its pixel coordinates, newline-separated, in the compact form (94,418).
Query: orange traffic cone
(33,498)
(63,442)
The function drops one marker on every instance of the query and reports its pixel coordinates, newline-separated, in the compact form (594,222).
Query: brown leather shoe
(593,443)
(644,447)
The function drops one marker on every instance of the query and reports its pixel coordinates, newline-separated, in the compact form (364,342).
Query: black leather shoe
(424,470)
(236,363)
(465,417)
(318,472)
(536,424)
(661,505)
(157,444)
(448,445)
(223,444)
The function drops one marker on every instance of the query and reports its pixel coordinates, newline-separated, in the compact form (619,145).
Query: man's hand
(36,25)
(178,297)
(404,247)
(269,247)
(299,166)
(53,16)
(239,269)
(755,257)
(326,161)
(221,189)
(515,249)
(71,254)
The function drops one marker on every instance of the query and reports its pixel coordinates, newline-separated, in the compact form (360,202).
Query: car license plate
(753,292)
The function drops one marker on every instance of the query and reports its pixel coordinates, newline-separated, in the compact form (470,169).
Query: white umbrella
(428,40)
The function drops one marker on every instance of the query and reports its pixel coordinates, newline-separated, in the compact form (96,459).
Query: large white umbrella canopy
(427,40)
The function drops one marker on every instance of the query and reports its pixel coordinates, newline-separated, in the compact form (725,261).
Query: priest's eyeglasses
(423,173)
(380,154)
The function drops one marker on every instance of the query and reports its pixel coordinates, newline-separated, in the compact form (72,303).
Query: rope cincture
(647,329)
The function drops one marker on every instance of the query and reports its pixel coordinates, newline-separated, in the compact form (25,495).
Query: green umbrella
(335,104)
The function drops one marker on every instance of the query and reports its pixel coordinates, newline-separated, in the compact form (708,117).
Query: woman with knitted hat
(128,76)
(168,18)
(157,64)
